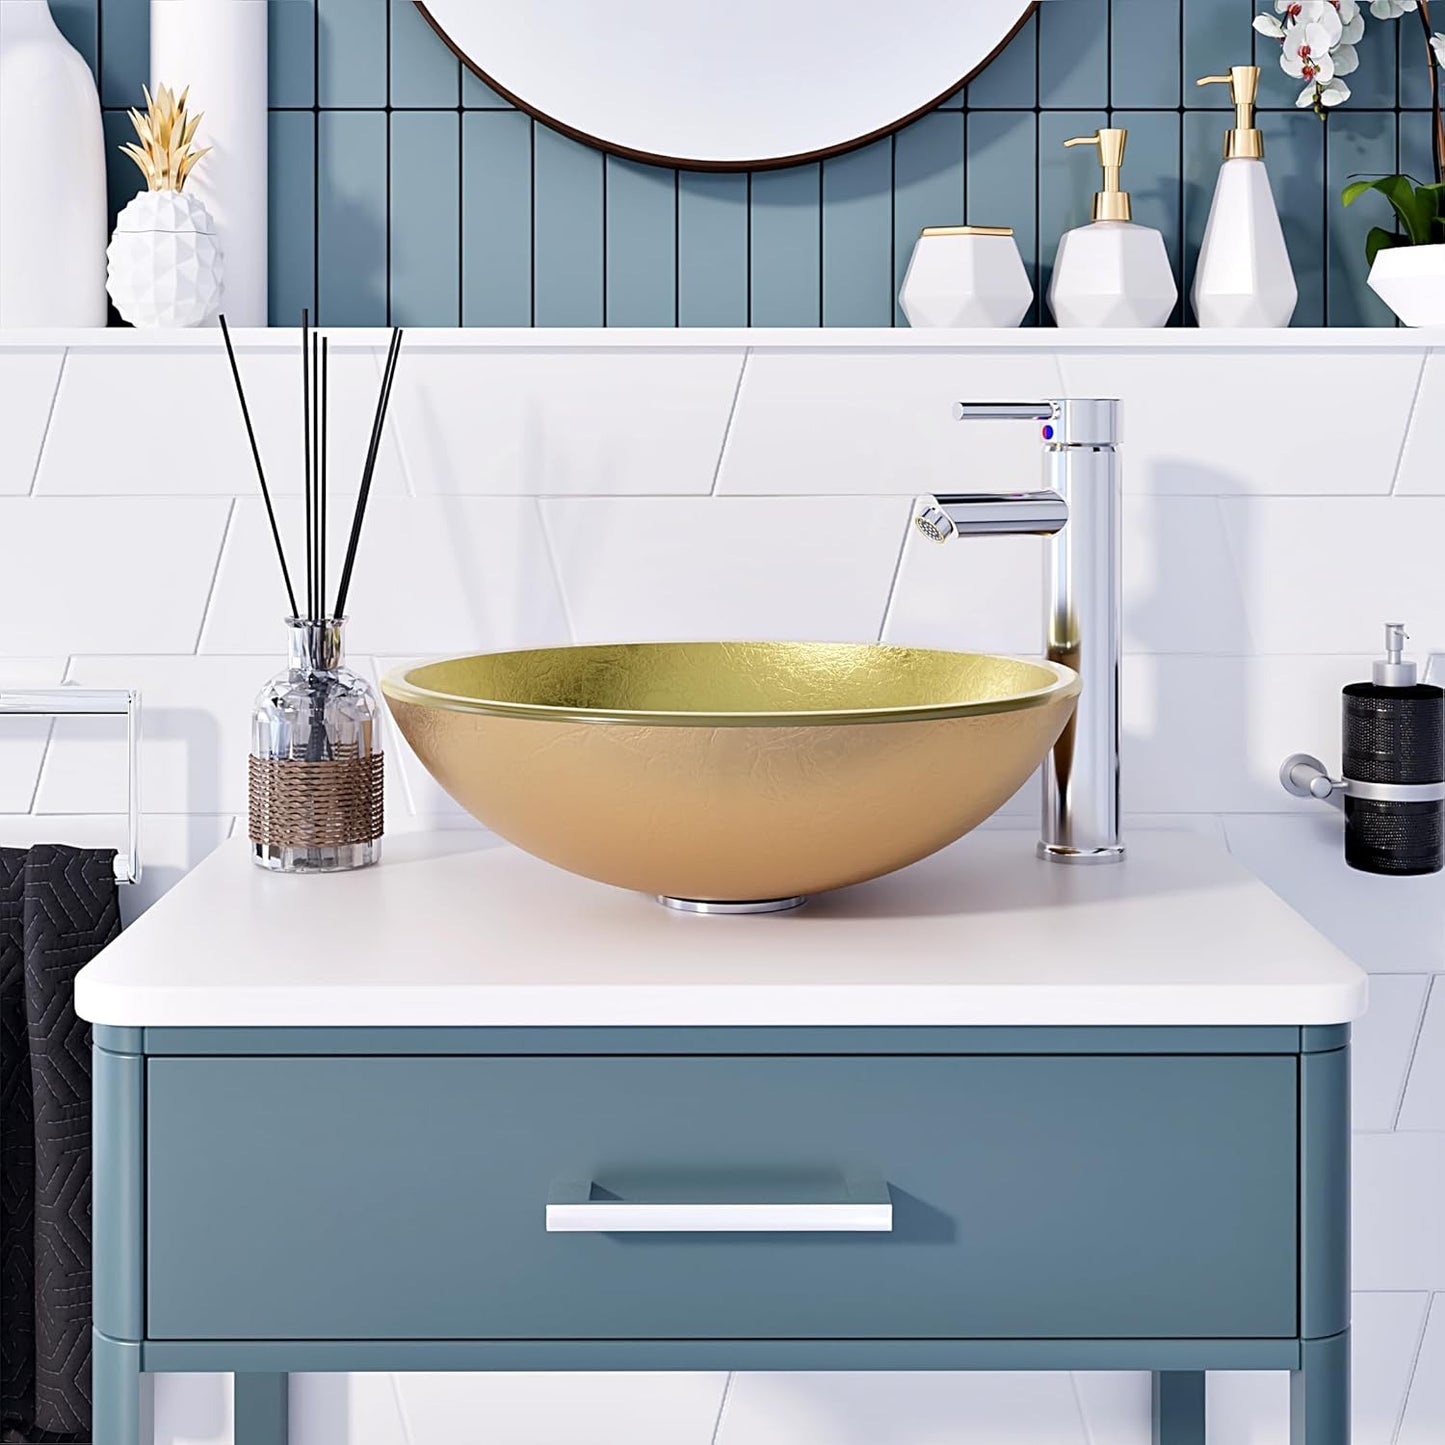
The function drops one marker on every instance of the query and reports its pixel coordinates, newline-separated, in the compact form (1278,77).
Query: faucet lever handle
(1005,410)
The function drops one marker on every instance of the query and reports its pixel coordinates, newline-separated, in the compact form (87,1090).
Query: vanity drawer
(1032,1196)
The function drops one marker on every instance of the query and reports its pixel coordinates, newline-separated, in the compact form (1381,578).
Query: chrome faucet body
(1078,510)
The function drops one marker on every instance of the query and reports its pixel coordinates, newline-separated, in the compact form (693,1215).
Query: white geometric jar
(165,265)
(966,276)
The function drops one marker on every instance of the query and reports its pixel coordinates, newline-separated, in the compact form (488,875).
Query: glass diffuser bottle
(316,761)
(315,770)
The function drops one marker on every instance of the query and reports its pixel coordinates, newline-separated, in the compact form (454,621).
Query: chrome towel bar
(95,702)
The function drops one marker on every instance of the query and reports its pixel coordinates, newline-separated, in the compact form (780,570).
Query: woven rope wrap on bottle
(300,804)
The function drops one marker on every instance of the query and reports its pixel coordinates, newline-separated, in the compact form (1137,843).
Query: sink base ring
(708,905)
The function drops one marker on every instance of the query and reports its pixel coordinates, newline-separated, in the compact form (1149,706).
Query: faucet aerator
(935,524)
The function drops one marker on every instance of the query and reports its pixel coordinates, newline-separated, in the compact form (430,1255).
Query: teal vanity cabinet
(517,1189)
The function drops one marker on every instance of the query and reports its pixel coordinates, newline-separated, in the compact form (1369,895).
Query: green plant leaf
(1355,190)
(1415,205)
(1379,240)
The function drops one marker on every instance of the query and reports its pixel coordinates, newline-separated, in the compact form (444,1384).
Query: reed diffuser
(316,759)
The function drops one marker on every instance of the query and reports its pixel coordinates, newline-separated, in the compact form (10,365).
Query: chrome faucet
(1078,509)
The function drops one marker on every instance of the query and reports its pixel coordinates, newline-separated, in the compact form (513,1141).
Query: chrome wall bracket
(95,702)
(1305,776)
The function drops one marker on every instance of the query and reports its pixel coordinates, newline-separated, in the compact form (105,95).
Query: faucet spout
(984,514)
(1078,510)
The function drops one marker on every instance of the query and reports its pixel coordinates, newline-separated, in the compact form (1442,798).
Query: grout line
(48,749)
(49,417)
(897,572)
(1085,1433)
(722,450)
(44,756)
(1430,1302)
(402,1417)
(550,547)
(1409,422)
(1236,572)
(215,577)
(722,1405)
(1414,1050)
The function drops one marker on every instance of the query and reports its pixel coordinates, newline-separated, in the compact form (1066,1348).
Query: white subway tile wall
(530,495)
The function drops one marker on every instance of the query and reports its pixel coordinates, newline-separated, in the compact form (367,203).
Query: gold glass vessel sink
(732,776)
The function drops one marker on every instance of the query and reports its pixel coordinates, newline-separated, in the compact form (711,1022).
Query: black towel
(58,908)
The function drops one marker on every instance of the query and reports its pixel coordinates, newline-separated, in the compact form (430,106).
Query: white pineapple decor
(165,265)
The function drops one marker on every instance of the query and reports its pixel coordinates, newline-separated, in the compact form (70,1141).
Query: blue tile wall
(403,188)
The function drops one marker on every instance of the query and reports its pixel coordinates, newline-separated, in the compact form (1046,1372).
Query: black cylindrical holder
(1394,735)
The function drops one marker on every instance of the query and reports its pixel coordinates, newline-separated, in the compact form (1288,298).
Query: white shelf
(1315,339)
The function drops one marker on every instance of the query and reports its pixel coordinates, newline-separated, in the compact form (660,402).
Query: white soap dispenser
(1111,272)
(1244,277)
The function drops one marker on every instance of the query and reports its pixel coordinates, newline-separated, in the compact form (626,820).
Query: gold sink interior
(732,772)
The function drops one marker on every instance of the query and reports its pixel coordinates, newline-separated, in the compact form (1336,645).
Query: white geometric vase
(1410,280)
(965,276)
(165,264)
(1112,273)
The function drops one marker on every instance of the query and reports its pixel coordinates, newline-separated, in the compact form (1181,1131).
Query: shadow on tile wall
(403,189)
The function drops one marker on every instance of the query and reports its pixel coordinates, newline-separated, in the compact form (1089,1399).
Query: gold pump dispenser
(1111,203)
(1246,141)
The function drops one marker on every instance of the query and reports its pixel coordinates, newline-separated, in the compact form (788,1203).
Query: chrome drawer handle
(866,1208)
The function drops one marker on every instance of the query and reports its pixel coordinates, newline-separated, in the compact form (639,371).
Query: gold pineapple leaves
(166,154)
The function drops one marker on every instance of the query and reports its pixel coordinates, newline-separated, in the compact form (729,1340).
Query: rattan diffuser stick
(315,453)
(383,400)
(260,470)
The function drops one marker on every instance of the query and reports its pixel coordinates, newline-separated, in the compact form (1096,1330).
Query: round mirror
(735,86)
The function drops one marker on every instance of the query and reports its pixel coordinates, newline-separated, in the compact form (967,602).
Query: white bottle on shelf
(1244,276)
(217,48)
(52,176)
(1111,272)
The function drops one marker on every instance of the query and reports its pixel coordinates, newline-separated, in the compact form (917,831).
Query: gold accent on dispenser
(967,231)
(1111,203)
(1246,140)
(732,771)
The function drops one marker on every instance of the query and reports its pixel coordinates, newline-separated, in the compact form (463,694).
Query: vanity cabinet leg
(1179,1407)
(1319,1393)
(115,1392)
(261,1409)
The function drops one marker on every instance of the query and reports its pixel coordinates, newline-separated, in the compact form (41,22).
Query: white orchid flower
(1268,25)
(1308,48)
(1346,58)
(1334,93)
(1351,21)
(1392,9)
(1437,44)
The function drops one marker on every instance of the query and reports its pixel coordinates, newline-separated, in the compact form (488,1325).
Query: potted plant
(164,259)
(1318,40)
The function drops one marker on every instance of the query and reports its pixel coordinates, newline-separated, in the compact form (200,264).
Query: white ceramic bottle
(1244,277)
(1111,272)
(52,176)
(217,48)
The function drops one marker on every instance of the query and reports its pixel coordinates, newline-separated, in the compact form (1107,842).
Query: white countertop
(454,929)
